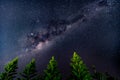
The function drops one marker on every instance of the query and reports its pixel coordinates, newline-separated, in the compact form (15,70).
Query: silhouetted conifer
(10,70)
(29,73)
(79,69)
(52,72)
(102,76)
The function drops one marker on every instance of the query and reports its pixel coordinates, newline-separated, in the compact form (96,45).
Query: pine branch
(29,73)
(10,70)
(52,72)
(79,69)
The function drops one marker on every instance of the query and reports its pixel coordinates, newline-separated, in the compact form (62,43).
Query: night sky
(96,39)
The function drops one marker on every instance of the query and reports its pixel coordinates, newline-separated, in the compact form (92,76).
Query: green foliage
(29,73)
(79,69)
(10,70)
(52,72)
(102,76)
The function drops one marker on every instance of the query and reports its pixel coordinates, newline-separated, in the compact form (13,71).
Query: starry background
(97,42)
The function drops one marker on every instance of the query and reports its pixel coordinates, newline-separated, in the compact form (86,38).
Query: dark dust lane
(90,28)
(92,36)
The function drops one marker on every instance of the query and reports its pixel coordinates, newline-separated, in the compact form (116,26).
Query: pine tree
(10,70)
(79,69)
(29,73)
(52,72)
(102,76)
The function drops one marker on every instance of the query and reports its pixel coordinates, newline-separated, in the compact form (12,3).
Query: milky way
(36,40)
(41,29)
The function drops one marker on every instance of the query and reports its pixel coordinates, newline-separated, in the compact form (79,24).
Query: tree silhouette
(29,73)
(102,76)
(79,69)
(52,72)
(10,70)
